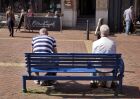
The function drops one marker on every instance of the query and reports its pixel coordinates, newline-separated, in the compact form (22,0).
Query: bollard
(87,30)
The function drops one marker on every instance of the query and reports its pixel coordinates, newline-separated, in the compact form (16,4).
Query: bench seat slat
(66,70)
(73,58)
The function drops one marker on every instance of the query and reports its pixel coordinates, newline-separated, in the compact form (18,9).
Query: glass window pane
(37,6)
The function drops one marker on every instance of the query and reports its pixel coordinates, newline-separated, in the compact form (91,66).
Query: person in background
(56,14)
(97,33)
(10,17)
(104,45)
(30,13)
(29,20)
(129,19)
(43,43)
(22,13)
(48,14)
(21,21)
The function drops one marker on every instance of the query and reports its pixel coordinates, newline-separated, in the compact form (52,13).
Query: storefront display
(36,23)
(38,6)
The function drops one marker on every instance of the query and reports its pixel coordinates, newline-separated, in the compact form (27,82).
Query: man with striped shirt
(43,43)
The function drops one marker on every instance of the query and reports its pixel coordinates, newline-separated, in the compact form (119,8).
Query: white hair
(104,29)
(43,31)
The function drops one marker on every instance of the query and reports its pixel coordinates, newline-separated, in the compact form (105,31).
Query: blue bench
(73,63)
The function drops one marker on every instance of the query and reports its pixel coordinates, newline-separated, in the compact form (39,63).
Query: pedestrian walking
(10,20)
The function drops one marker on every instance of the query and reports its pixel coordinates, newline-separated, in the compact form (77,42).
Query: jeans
(128,25)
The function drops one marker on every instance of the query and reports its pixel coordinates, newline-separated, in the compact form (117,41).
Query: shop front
(77,11)
(72,10)
(38,6)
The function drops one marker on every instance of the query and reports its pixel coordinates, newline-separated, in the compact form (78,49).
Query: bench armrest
(121,67)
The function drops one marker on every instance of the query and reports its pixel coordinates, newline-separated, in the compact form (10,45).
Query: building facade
(75,11)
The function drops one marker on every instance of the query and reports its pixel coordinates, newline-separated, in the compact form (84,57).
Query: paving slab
(12,66)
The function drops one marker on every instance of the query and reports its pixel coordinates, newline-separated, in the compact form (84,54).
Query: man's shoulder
(35,36)
(50,37)
(96,42)
(43,36)
(103,39)
(127,10)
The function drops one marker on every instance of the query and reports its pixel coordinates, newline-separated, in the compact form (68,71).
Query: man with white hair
(104,45)
(43,43)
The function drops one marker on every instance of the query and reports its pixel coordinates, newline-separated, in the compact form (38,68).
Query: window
(51,5)
(37,6)
(17,5)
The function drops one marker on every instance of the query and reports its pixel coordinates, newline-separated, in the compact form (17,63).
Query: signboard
(68,4)
(36,23)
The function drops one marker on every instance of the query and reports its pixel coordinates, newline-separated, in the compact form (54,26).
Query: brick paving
(12,66)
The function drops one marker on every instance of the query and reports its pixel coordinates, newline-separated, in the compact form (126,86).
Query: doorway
(116,9)
(86,11)
(86,8)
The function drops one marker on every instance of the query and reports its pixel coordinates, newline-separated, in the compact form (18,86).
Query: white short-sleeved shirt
(105,46)
(128,14)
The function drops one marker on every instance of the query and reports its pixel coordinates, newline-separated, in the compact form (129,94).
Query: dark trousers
(11,27)
(132,29)
(50,74)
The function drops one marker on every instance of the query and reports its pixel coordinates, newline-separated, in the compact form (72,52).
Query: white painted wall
(70,15)
(102,14)
(102,10)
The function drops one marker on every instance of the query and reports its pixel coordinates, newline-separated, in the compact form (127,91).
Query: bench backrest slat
(74,60)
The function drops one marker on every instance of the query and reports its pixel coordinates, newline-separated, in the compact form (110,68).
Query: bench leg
(120,86)
(118,89)
(24,90)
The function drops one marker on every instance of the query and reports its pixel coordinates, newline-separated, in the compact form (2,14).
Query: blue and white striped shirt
(43,44)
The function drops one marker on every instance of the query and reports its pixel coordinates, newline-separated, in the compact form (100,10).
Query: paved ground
(12,66)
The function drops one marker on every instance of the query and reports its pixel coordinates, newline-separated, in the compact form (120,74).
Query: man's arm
(124,15)
(55,50)
(6,16)
(32,46)
(54,46)
(133,17)
(13,16)
(93,47)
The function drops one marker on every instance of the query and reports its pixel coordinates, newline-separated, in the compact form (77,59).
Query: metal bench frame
(74,63)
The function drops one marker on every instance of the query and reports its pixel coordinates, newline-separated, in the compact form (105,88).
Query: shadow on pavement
(73,89)
(22,37)
(131,91)
(34,32)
